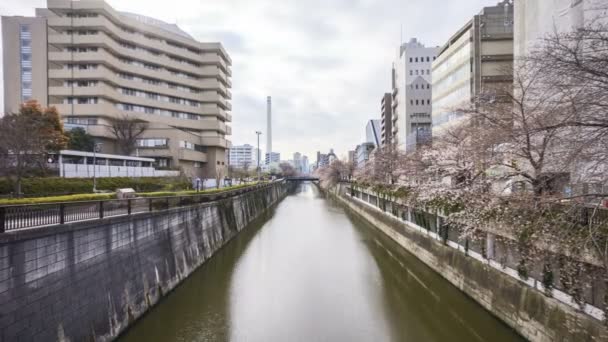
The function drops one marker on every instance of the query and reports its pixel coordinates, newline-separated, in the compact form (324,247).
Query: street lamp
(96,148)
(258,168)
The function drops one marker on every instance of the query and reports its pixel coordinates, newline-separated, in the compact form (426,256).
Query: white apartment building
(97,65)
(412,94)
(244,155)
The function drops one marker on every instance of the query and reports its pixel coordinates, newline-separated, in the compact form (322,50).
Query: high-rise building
(243,156)
(386,119)
(269,158)
(373,132)
(363,153)
(96,65)
(305,165)
(536,19)
(351,156)
(412,94)
(475,59)
(297,161)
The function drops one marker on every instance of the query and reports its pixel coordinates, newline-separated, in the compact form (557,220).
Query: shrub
(67,198)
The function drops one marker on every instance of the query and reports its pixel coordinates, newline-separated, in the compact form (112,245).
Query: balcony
(214,141)
(185,154)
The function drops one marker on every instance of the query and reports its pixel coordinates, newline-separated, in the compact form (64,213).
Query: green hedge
(67,198)
(63,186)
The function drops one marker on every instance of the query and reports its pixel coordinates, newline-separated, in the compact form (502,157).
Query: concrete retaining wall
(527,310)
(88,281)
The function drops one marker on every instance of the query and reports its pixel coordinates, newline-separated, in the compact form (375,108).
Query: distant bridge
(302,179)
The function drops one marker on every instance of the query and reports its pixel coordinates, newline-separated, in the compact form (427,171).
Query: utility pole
(96,148)
(258,168)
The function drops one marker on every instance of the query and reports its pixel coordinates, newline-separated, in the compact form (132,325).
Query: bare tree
(126,130)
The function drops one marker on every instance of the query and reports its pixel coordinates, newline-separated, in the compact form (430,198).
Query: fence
(500,252)
(16,217)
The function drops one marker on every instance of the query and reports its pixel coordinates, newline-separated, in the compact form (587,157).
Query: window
(428,59)
(428,86)
(434,57)
(186,144)
(411,72)
(428,102)
(162,162)
(411,102)
(80,121)
(416,72)
(25,37)
(198,165)
(152,143)
(416,102)
(428,72)
(411,60)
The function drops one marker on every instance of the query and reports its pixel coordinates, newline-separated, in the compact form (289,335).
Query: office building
(474,60)
(352,157)
(97,65)
(297,161)
(363,153)
(305,165)
(243,156)
(386,118)
(412,93)
(272,158)
(373,132)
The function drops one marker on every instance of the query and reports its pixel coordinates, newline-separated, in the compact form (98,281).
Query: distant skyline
(326,70)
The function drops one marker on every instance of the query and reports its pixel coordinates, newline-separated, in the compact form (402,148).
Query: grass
(106,196)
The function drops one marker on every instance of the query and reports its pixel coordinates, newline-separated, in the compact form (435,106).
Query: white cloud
(326,63)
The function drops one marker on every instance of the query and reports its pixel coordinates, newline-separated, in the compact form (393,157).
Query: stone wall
(88,281)
(534,315)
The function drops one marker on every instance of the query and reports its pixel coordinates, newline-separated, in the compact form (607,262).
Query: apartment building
(412,94)
(96,65)
(475,59)
(244,155)
(386,119)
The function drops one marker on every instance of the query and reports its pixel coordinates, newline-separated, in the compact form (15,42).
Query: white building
(412,93)
(305,165)
(534,19)
(242,155)
(272,158)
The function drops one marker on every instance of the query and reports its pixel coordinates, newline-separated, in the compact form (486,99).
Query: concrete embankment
(88,281)
(530,312)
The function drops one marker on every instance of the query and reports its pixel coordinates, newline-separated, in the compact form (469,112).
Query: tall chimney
(269,127)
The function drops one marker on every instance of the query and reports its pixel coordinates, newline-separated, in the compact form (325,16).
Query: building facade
(386,119)
(272,158)
(475,59)
(535,19)
(243,156)
(363,153)
(373,132)
(97,65)
(412,93)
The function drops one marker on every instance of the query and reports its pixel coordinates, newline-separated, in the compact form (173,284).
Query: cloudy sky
(326,63)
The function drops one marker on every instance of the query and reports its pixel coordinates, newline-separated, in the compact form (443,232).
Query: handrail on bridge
(23,216)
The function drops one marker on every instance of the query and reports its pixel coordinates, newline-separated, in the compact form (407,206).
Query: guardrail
(15,217)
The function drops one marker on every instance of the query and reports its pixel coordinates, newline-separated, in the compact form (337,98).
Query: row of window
(421,86)
(73,66)
(155,67)
(157,111)
(421,59)
(420,102)
(156,82)
(84,121)
(81,100)
(81,49)
(152,142)
(159,97)
(79,84)
(420,72)
(158,53)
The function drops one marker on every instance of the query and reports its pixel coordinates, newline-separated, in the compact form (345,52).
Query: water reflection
(309,272)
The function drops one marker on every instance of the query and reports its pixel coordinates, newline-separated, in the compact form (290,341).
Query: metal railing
(15,217)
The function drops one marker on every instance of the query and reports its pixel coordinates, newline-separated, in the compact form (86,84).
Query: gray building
(363,153)
(475,59)
(386,118)
(96,65)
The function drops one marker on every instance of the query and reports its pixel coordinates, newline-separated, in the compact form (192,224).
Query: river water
(309,271)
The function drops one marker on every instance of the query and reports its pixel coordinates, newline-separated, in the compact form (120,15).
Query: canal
(309,271)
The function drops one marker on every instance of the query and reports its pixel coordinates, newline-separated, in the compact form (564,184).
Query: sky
(326,63)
